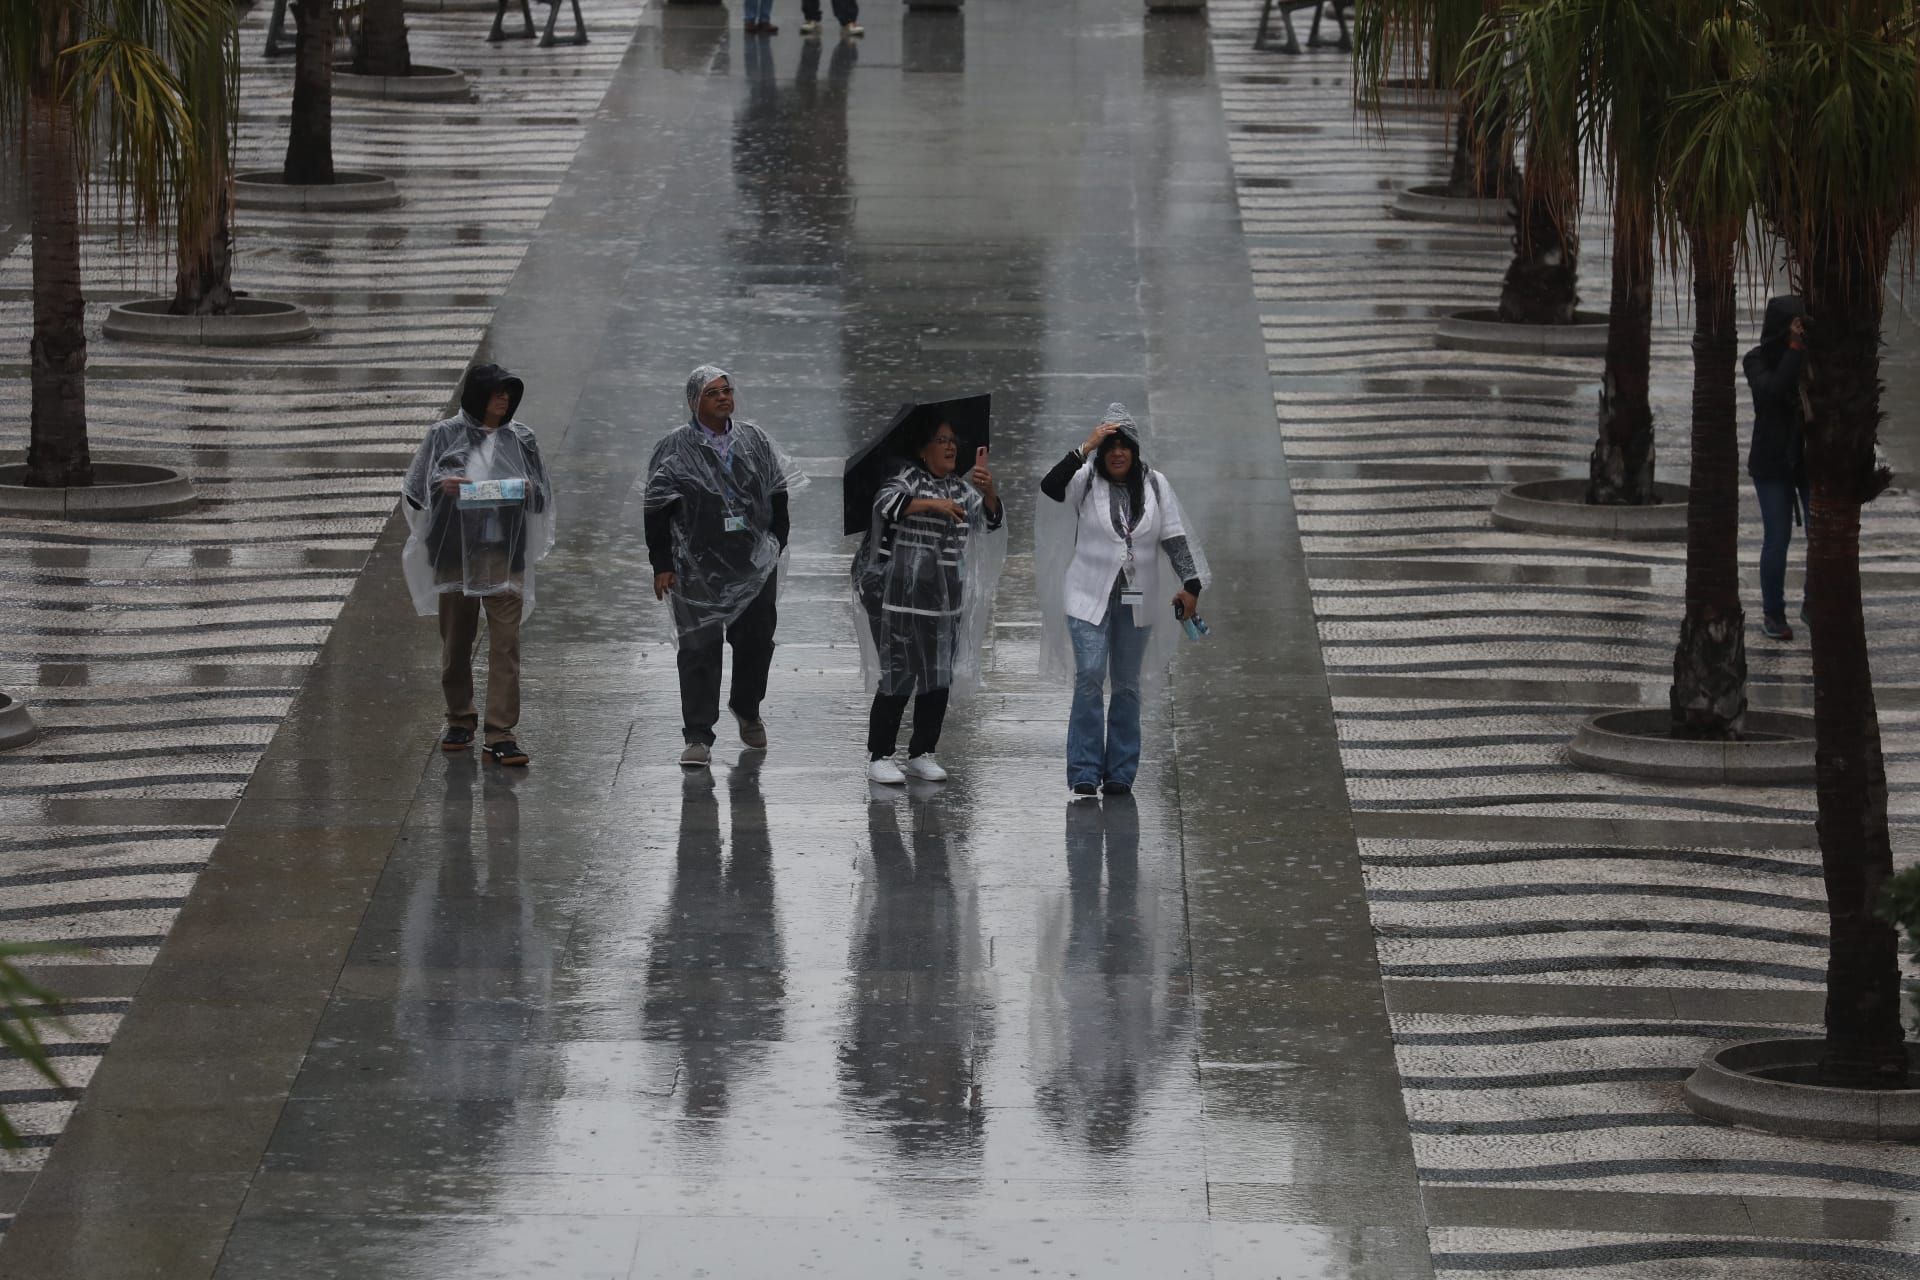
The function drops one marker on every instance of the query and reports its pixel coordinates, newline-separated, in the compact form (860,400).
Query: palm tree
(309,159)
(86,80)
(209,70)
(1618,57)
(1424,41)
(1838,88)
(380,49)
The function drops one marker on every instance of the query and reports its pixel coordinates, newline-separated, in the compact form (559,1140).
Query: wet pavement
(422,1018)
(1364,981)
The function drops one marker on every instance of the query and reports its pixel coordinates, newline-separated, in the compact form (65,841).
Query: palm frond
(23,1007)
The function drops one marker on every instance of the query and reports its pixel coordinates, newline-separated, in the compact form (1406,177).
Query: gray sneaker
(696,756)
(752,732)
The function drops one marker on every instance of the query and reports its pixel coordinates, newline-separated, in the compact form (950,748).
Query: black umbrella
(874,465)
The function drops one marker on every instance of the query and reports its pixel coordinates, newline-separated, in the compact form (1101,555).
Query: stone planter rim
(17,725)
(121,491)
(1430,202)
(1558,507)
(1632,741)
(1723,1087)
(253,322)
(423,82)
(352,190)
(1481,329)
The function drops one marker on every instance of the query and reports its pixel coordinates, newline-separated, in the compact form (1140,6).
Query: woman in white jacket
(1106,598)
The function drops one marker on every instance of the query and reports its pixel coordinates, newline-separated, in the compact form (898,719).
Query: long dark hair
(1136,477)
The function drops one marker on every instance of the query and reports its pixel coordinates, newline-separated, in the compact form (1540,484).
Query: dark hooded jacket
(1774,369)
(445,451)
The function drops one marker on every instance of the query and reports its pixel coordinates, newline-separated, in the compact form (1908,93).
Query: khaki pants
(459,628)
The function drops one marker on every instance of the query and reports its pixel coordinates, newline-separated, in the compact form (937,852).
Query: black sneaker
(1084,790)
(507,752)
(1116,789)
(456,738)
(1775,627)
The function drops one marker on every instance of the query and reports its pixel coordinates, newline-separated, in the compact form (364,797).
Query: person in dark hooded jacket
(480,511)
(1777,459)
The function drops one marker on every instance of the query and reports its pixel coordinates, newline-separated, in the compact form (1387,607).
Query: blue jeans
(756,10)
(1105,747)
(1776,520)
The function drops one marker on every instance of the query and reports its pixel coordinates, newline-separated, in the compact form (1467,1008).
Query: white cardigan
(1099,550)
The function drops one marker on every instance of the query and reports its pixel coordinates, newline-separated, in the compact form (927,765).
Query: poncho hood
(1781,313)
(699,380)
(482,381)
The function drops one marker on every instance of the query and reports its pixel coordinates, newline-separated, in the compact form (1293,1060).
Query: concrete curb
(120,491)
(1433,204)
(351,191)
(253,322)
(1482,329)
(17,727)
(1753,1085)
(423,84)
(452,6)
(1560,508)
(1779,749)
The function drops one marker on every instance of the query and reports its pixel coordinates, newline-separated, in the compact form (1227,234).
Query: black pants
(883,722)
(751,635)
(844,10)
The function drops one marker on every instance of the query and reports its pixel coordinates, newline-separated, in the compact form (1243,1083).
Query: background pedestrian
(1777,460)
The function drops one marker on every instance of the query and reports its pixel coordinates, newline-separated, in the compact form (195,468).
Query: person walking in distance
(845,12)
(758,18)
(1777,459)
(480,513)
(1106,617)
(716,525)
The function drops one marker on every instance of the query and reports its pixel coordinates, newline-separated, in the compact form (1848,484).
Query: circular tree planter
(253,322)
(1778,749)
(120,491)
(1482,329)
(1433,204)
(1769,1084)
(17,728)
(1401,94)
(422,84)
(349,192)
(450,6)
(1561,507)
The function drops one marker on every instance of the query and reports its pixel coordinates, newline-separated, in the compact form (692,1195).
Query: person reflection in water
(716,965)
(1105,1029)
(920,1029)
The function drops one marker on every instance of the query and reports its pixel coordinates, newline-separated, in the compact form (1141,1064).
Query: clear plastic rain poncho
(1082,545)
(485,538)
(923,586)
(717,494)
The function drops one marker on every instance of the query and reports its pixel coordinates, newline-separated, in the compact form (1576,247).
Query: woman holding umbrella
(923,579)
(1106,614)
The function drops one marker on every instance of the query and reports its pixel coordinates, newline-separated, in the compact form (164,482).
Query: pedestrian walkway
(1363,982)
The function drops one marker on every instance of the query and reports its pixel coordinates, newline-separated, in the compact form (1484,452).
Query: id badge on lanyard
(1131,596)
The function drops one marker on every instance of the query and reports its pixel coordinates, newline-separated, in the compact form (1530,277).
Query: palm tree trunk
(1864,1038)
(57,454)
(203,282)
(1542,284)
(203,278)
(1482,165)
(310,140)
(1709,695)
(1620,472)
(381,49)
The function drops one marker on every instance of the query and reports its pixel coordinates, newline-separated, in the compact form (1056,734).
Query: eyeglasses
(952,440)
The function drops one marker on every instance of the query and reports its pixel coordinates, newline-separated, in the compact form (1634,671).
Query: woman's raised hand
(982,477)
(1100,433)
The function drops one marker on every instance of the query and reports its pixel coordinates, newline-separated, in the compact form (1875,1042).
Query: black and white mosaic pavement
(160,656)
(1461,657)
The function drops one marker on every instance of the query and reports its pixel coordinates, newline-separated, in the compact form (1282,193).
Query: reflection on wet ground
(608,1019)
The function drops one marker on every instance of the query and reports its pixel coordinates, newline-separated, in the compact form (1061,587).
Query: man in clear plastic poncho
(923,581)
(480,515)
(716,521)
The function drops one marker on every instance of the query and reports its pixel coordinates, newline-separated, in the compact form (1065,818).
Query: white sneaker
(696,755)
(809,28)
(926,767)
(853,29)
(885,771)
